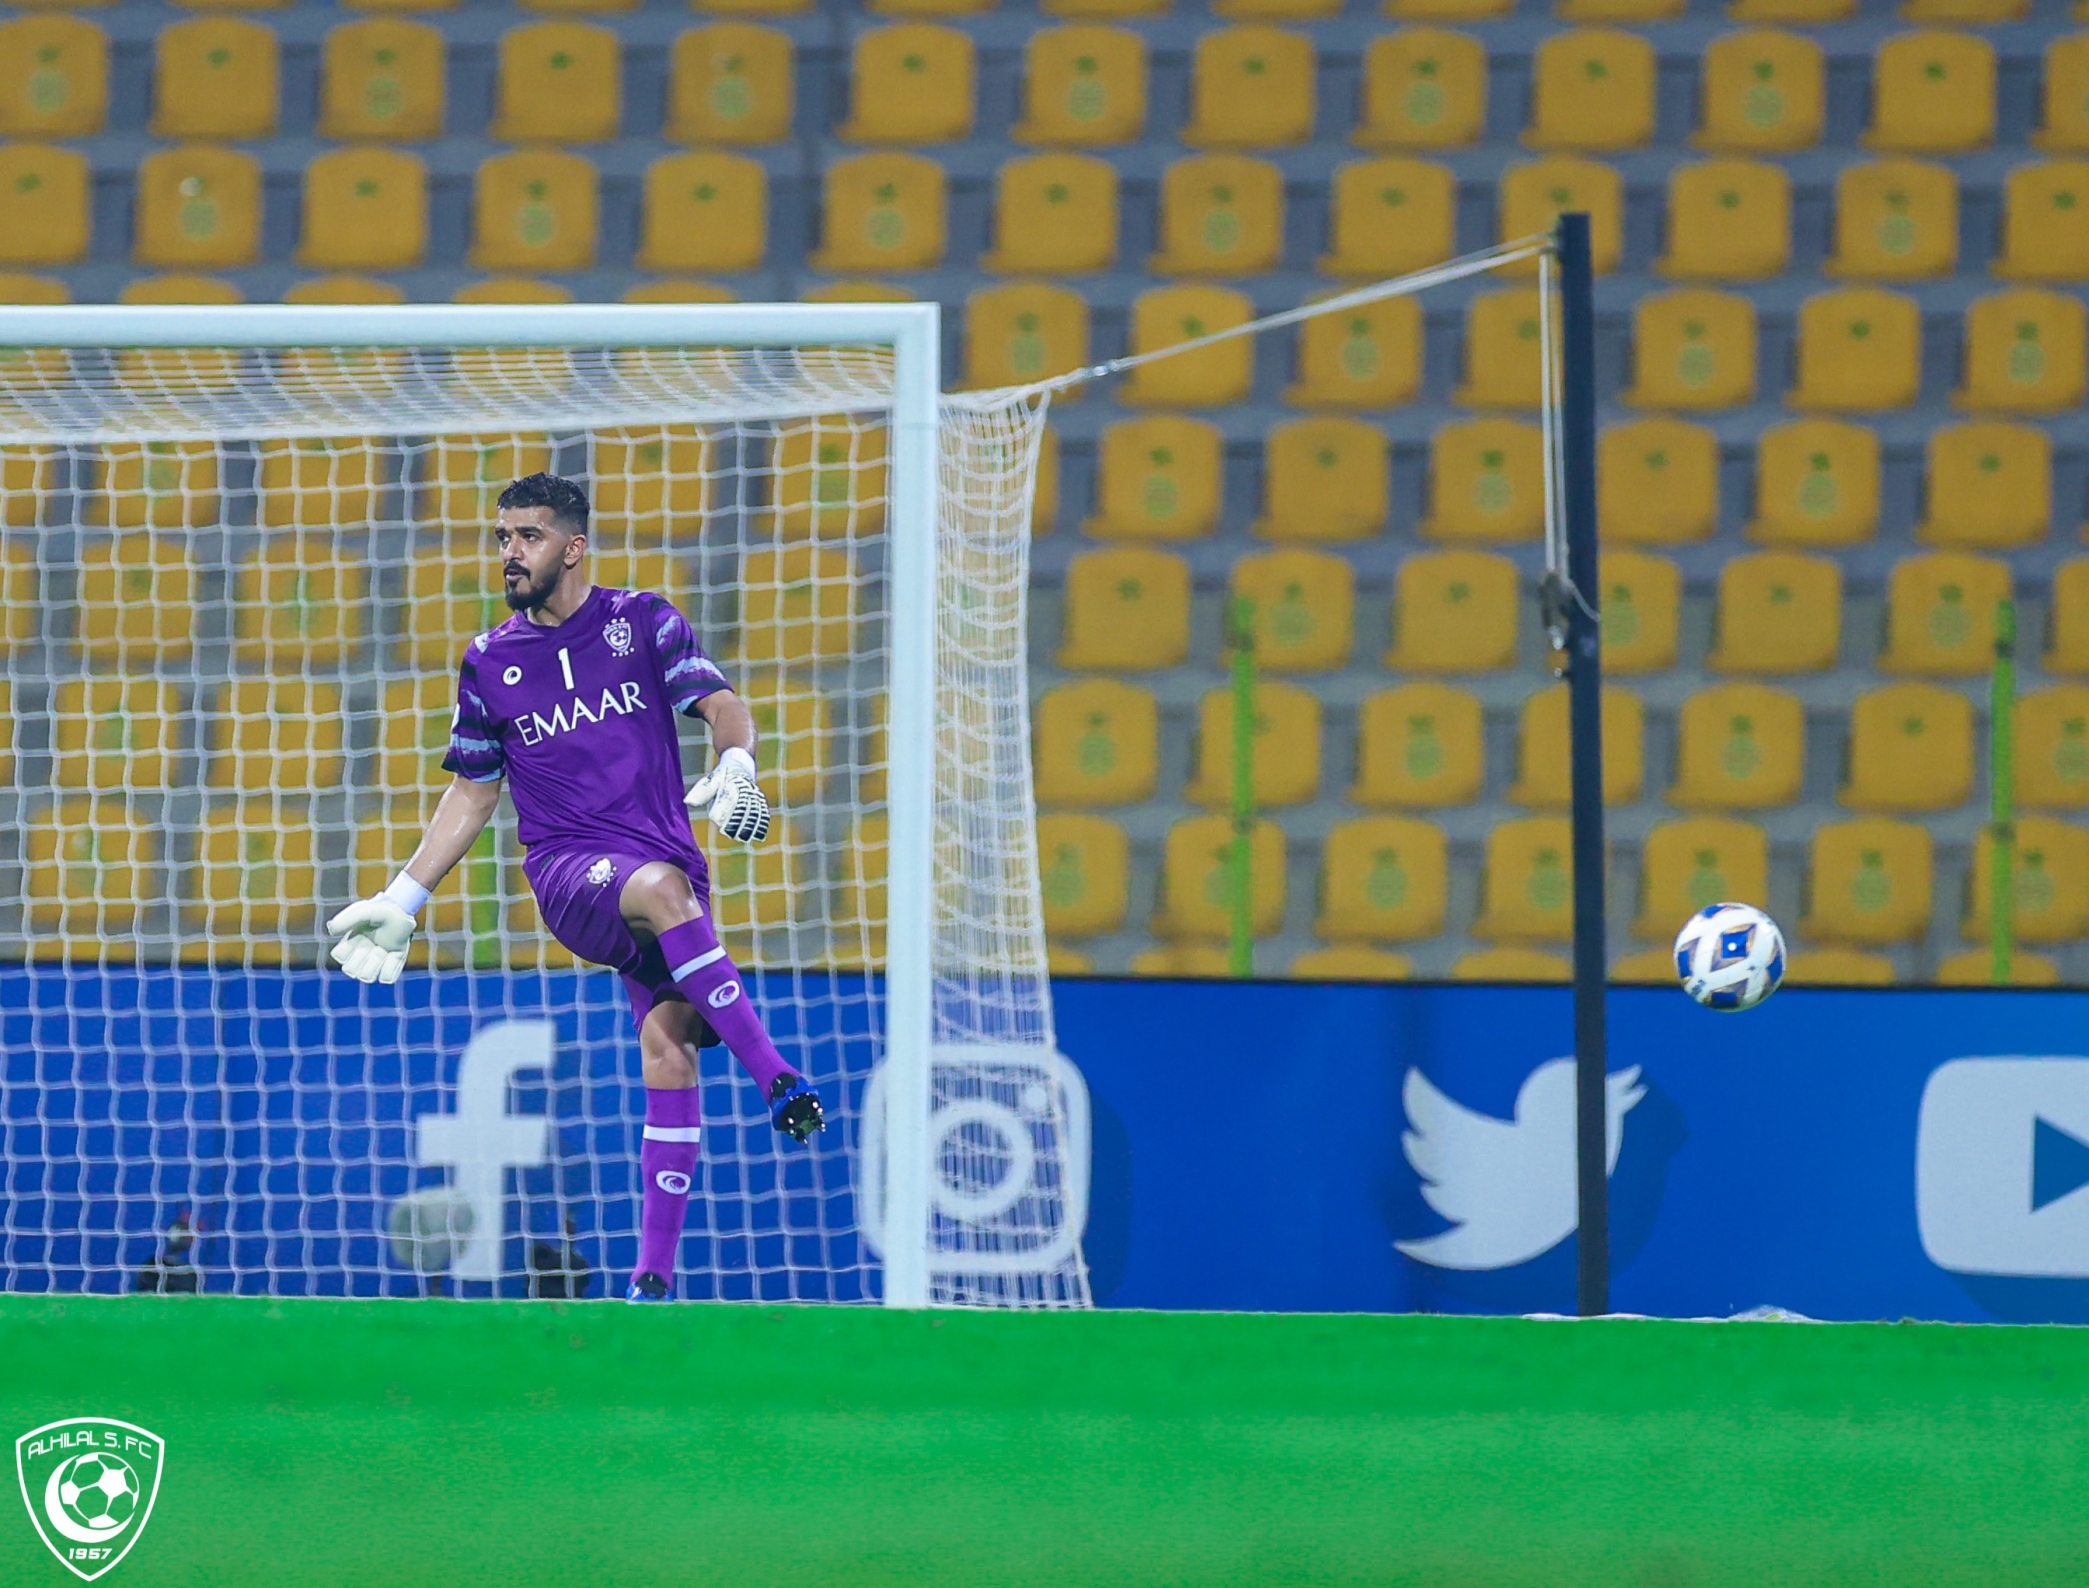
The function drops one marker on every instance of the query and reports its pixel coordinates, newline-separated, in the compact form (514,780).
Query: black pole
(1584,664)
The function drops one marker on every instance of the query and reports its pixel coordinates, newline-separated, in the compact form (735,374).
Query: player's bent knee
(659,895)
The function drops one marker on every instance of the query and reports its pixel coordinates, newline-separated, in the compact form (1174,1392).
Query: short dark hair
(567,501)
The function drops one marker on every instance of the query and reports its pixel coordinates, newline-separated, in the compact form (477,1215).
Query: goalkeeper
(573,701)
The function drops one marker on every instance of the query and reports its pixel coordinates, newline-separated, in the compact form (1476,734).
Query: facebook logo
(2002,1167)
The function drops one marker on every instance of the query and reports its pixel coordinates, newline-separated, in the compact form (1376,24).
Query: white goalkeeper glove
(374,933)
(738,807)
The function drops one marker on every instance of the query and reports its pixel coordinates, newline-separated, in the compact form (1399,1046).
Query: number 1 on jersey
(566,665)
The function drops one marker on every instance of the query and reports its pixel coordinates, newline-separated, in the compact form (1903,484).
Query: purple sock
(702,969)
(667,1160)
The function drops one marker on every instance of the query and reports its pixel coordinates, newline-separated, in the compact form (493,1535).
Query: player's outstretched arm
(738,807)
(373,933)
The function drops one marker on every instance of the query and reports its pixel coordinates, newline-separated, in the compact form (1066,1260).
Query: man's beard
(528,597)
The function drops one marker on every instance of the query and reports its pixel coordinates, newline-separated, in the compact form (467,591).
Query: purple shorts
(579,897)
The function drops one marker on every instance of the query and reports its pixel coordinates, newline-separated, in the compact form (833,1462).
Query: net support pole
(1585,717)
(2001,796)
(1240,944)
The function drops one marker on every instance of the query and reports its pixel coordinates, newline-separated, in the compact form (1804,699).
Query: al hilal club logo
(89,1483)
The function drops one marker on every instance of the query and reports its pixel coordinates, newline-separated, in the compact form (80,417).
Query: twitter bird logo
(1506,1185)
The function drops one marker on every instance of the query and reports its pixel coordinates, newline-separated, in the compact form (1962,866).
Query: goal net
(238,577)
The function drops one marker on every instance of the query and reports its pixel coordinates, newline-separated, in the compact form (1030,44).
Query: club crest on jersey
(602,872)
(618,632)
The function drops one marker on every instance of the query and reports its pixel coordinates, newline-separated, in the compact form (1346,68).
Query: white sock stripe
(698,963)
(673,1132)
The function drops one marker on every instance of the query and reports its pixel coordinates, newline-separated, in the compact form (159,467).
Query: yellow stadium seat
(1158,479)
(1110,9)
(365,209)
(1527,884)
(1531,197)
(705,211)
(2065,124)
(1180,961)
(911,83)
(1512,963)
(796,735)
(2052,748)
(1763,91)
(1940,614)
(1351,962)
(678,291)
(1700,860)
(114,733)
(2045,221)
(1641,599)
(830,478)
(2067,619)
(1933,92)
(651,485)
(1816,484)
(256,873)
(1728,220)
(1084,865)
(1777,612)
(137,599)
(414,731)
(731,83)
(27,477)
(1859,348)
(453,595)
(299,601)
(1221,215)
(214,77)
(1618,10)
(1649,967)
(1251,87)
(198,208)
(1739,747)
(1448,10)
(1502,369)
(1044,497)
(1542,749)
(275,734)
(50,211)
(1300,606)
(1418,745)
(339,289)
(2026,351)
(88,865)
(1127,610)
(882,212)
(10,733)
(1970,13)
(1693,349)
(1026,331)
(1911,749)
(317,482)
(1390,216)
(54,77)
(1837,967)
(1423,88)
(1061,961)
(22,619)
(383,78)
(148,371)
(1366,357)
(463,475)
(1054,215)
(533,210)
(1657,482)
(795,605)
(1197,879)
(1084,87)
(1286,737)
(1989,487)
(1868,881)
(156,484)
(751,7)
(1486,482)
(2050,883)
(1098,743)
(559,83)
(1895,220)
(1976,969)
(1454,612)
(1326,480)
(1592,88)
(1383,879)
(1209,377)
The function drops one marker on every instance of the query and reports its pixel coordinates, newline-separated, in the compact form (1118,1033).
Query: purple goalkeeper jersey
(580,718)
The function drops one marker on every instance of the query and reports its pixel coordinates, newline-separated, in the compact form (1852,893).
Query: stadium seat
(1543,749)
(795,605)
(1512,963)
(731,83)
(1965,13)
(1837,967)
(2052,748)
(1211,376)
(1179,961)
(1054,215)
(882,212)
(1448,10)
(830,478)
(365,209)
(316,482)
(1383,879)
(462,475)
(1816,484)
(1911,749)
(1454,612)
(1859,348)
(256,873)
(751,8)
(137,601)
(1657,482)
(1084,866)
(299,602)
(1423,88)
(2045,222)
(1777,612)
(679,291)
(533,210)
(1975,969)
(1044,498)
(1361,358)
(88,864)
(1502,368)
(1762,91)
(1642,605)
(214,78)
(1061,961)
(1026,331)
(1700,860)
(1084,87)
(1221,215)
(27,478)
(1933,92)
(1325,480)
(911,83)
(1098,743)
(1127,610)
(1895,220)
(651,485)
(1647,967)
(453,594)
(1728,220)
(1591,88)
(1197,879)
(339,289)
(1111,9)
(110,734)
(198,208)
(2067,619)
(1989,487)
(1739,747)
(559,83)
(1940,614)
(2026,351)
(383,78)
(1158,479)
(1693,349)
(1251,87)
(1527,883)
(1531,197)
(1486,482)
(1301,608)
(1389,216)
(705,211)
(1351,962)
(23,620)
(1868,882)
(280,735)
(54,77)
(413,727)
(1286,735)
(2065,84)
(1420,744)
(2050,883)
(50,207)
(155,484)
(1618,10)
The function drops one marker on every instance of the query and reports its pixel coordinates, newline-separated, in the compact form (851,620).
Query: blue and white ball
(1730,957)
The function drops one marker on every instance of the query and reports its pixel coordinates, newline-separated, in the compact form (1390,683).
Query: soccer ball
(1730,957)
(99,1491)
